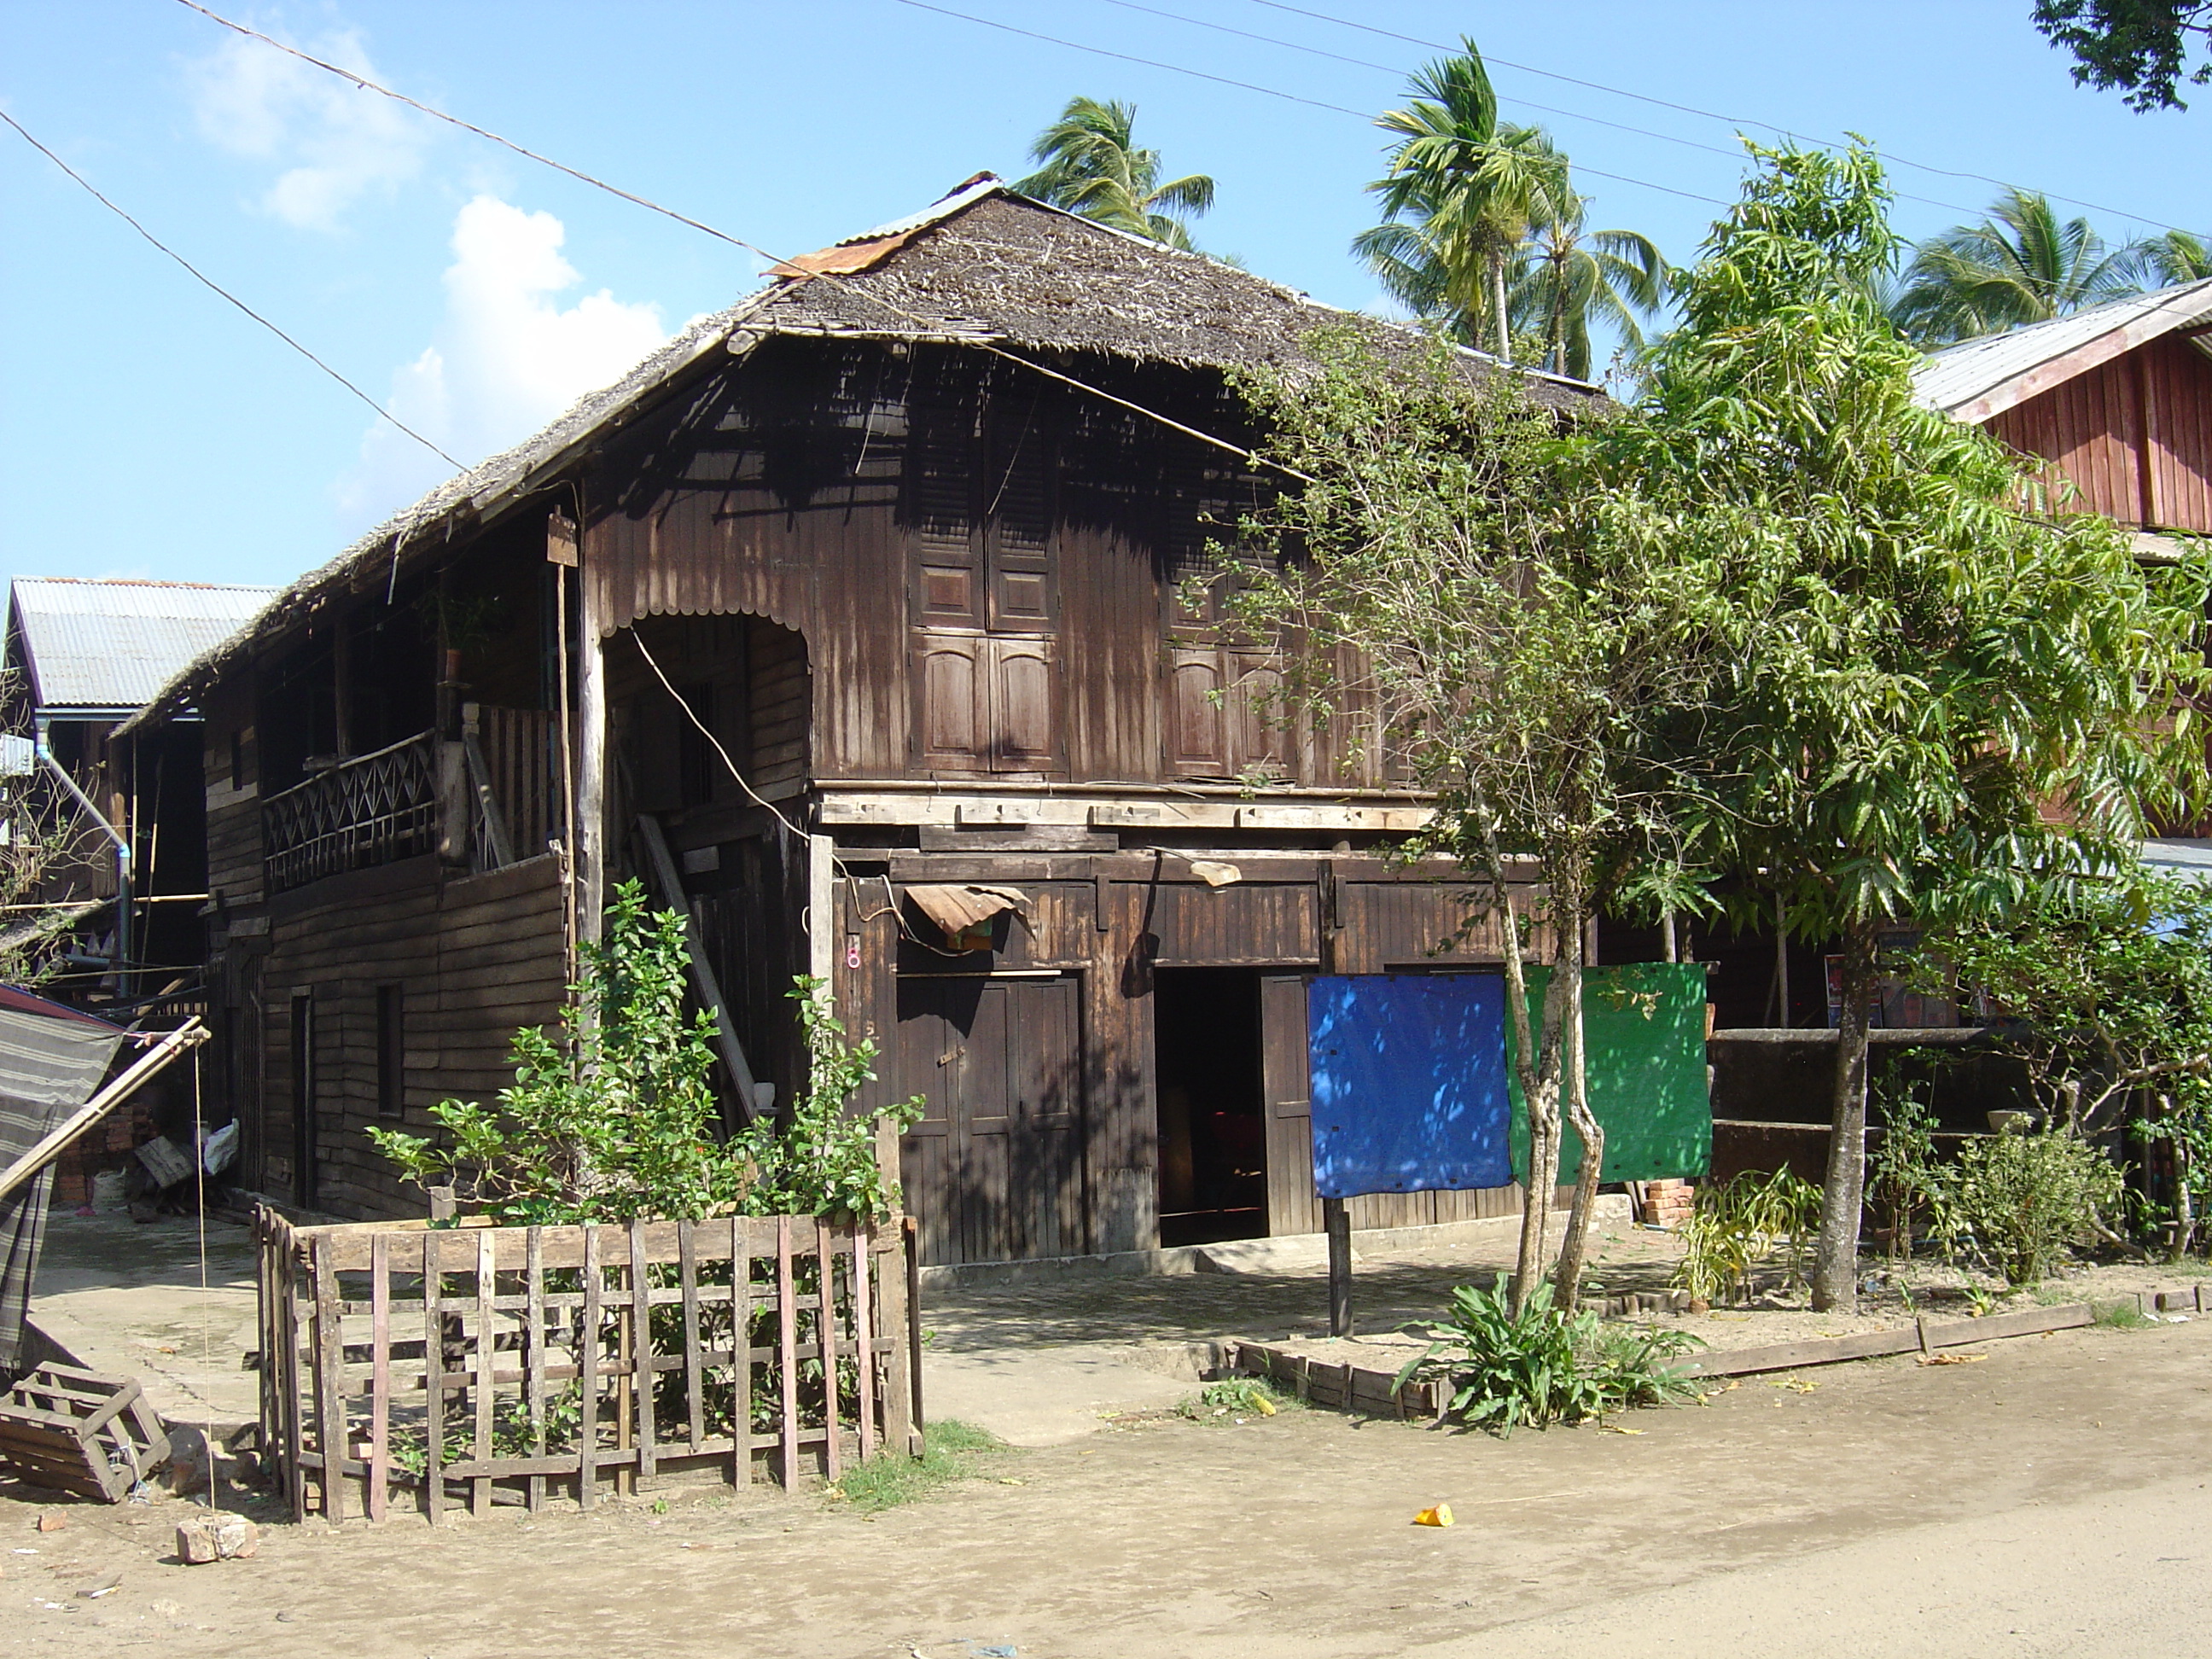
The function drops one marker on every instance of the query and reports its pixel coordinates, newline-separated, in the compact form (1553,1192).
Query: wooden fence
(484,1365)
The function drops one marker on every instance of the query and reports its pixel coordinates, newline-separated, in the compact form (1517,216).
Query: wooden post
(910,1233)
(330,1386)
(434,1383)
(590,830)
(863,1339)
(380,1384)
(641,1321)
(1337,1223)
(787,1351)
(687,1275)
(887,1255)
(533,1338)
(588,1373)
(825,1335)
(741,1352)
(487,1341)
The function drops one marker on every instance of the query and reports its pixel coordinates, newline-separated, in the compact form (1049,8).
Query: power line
(1245,86)
(904,315)
(1704,114)
(216,289)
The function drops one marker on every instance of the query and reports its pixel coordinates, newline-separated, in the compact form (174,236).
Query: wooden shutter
(1286,1080)
(940,504)
(1023,718)
(951,691)
(1196,739)
(1018,535)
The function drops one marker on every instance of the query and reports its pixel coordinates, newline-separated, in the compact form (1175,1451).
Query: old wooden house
(859,621)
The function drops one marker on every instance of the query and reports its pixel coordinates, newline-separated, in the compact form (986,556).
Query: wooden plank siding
(473,956)
(2133,436)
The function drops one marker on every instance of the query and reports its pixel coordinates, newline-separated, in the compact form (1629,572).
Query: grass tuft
(2124,1316)
(951,1451)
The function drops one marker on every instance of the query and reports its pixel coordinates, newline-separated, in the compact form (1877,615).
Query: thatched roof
(984,266)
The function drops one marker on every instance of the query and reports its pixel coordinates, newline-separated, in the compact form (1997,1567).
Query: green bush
(1742,1223)
(614,1116)
(2019,1199)
(1544,1364)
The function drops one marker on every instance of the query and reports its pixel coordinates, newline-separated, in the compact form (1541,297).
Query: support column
(592,763)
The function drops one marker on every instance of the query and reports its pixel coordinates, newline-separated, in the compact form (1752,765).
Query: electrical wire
(1249,86)
(1245,451)
(1692,109)
(216,289)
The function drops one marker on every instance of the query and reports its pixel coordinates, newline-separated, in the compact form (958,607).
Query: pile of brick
(1668,1203)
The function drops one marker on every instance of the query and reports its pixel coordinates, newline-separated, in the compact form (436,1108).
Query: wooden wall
(2134,435)
(473,958)
(988,573)
(1105,926)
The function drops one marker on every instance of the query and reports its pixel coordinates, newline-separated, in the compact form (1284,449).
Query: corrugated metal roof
(1983,377)
(115,644)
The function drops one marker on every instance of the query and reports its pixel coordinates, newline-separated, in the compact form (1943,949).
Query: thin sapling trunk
(1843,1196)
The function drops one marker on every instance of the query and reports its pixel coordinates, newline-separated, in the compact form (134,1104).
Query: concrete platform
(124,1297)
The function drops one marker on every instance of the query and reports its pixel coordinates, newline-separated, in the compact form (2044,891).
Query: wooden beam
(590,829)
(702,972)
(187,1035)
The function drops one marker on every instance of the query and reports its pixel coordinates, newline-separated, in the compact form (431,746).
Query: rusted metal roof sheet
(1981,379)
(112,645)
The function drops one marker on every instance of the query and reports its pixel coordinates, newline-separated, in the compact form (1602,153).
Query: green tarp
(1644,1026)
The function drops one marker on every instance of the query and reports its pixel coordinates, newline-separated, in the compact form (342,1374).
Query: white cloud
(505,360)
(335,142)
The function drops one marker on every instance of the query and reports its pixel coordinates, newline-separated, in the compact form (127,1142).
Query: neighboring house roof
(983,267)
(1981,379)
(91,647)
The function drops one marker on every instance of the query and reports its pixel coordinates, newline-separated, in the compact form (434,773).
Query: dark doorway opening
(1212,1137)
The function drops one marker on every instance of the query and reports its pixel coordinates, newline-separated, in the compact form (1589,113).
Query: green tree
(1566,275)
(2140,46)
(1090,165)
(615,1117)
(2171,259)
(1933,698)
(1462,191)
(1464,590)
(2021,264)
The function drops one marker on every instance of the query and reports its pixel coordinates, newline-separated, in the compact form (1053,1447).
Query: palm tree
(2170,260)
(1567,275)
(2021,264)
(1088,167)
(1462,193)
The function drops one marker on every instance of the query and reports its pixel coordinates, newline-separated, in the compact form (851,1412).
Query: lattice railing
(374,809)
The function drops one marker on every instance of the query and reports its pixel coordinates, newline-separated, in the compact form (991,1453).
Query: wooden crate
(76,1431)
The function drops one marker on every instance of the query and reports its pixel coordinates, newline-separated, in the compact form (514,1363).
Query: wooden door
(1285,1080)
(993,1172)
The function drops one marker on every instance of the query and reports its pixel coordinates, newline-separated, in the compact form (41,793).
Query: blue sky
(147,430)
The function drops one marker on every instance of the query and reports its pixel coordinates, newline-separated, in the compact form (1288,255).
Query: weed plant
(1740,1224)
(1234,1398)
(1544,1364)
(951,1451)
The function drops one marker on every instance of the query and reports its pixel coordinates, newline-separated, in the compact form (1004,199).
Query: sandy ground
(2050,1499)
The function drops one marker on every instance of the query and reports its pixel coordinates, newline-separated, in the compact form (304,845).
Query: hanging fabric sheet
(51,1059)
(1409,1090)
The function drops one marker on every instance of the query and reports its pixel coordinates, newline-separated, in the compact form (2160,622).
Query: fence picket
(641,1321)
(687,1276)
(487,1447)
(434,1383)
(533,1364)
(379,1380)
(825,1331)
(741,1354)
(330,1392)
(787,1351)
(587,1369)
(864,1341)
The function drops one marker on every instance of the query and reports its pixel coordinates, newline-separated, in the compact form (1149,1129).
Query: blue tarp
(1409,1089)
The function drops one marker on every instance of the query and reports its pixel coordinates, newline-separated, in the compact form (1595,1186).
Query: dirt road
(2049,1499)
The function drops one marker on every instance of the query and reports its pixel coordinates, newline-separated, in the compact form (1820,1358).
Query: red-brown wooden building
(864,536)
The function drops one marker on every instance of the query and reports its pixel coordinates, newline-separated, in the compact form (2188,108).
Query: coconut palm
(1567,275)
(1090,166)
(2170,260)
(2021,264)
(1462,191)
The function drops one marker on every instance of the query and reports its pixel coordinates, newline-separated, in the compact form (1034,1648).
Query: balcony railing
(371,810)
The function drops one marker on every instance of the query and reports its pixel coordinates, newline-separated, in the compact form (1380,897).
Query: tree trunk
(1836,1258)
(1504,315)
(1574,1246)
(1535,1065)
